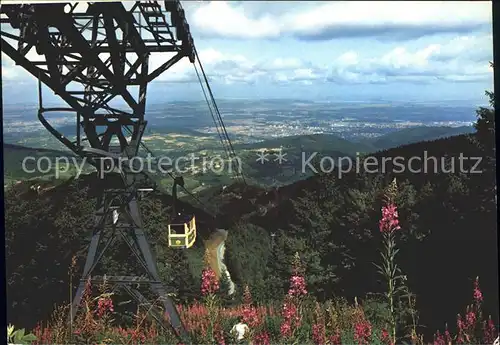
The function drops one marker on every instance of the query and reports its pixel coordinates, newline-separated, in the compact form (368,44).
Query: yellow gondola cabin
(182,230)
(182,235)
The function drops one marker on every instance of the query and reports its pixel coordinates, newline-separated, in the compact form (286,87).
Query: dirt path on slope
(214,245)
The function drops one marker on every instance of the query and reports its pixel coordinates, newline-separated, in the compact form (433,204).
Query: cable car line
(206,208)
(218,122)
(212,113)
(219,117)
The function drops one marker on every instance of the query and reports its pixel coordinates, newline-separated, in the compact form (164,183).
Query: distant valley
(295,128)
(264,173)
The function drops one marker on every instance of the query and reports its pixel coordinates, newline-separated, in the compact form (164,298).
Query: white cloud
(220,18)
(339,19)
(348,59)
(451,61)
(463,58)
(474,48)
(10,71)
(447,62)
(375,13)
(285,63)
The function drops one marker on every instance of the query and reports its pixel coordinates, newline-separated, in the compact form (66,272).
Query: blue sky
(325,50)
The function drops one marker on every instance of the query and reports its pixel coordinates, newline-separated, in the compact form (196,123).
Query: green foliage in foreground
(19,336)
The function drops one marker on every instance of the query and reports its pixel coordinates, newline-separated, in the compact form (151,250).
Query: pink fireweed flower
(318,328)
(43,336)
(318,334)
(219,336)
(439,339)
(478,296)
(460,323)
(262,339)
(297,286)
(489,331)
(286,329)
(336,338)
(447,335)
(389,221)
(362,332)
(250,314)
(209,282)
(460,329)
(247,296)
(87,292)
(291,318)
(470,319)
(104,305)
(384,337)
(136,336)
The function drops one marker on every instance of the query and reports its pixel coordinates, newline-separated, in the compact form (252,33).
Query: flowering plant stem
(389,225)
(390,270)
(211,303)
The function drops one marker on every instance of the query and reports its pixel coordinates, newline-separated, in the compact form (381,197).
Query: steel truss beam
(91,54)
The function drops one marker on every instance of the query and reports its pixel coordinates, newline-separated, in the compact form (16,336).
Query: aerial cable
(206,208)
(211,112)
(219,117)
(231,152)
(217,121)
(216,108)
(221,137)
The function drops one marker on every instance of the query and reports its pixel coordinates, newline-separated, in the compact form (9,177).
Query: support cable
(217,121)
(205,207)
(216,108)
(221,137)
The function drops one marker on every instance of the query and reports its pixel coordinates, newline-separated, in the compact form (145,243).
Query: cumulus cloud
(10,71)
(231,69)
(457,61)
(340,19)
(463,59)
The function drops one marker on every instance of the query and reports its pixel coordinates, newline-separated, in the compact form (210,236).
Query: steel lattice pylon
(90,54)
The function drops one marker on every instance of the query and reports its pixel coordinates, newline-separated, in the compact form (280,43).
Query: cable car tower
(91,55)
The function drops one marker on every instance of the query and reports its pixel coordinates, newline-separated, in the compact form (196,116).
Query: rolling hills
(271,173)
(414,135)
